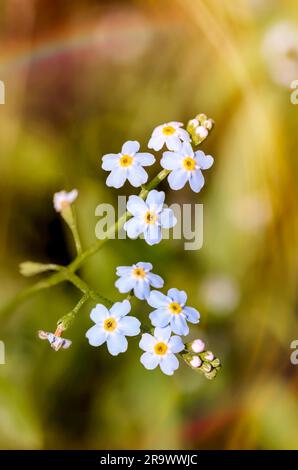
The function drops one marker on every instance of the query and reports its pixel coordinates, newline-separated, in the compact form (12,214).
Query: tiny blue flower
(160,350)
(149,217)
(171,310)
(139,278)
(169,134)
(186,165)
(128,164)
(112,326)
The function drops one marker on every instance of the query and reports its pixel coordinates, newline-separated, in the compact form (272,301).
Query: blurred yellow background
(81,78)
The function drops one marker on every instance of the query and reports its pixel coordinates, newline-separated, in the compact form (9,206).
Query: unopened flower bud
(197,346)
(216,362)
(206,367)
(202,132)
(210,375)
(195,361)
(194,123)
(201,118)
(208,356)
(208,124)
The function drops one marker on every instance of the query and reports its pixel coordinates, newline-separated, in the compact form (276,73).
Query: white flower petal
(157,299)
(179,325)
(177,179)
(192,315)
(178,296)
(169,364)
(167,218)
(116,343)
(184,135)
(155,280)
(125,284)
(134,227)
(153,234)
(96,336)
(110,161)
(196,181)
(171,161)
(147,342)
(144,158)
(155,200)
(173,143)
(136,205)
(141,289)
(129,326)
(160,317)
(123,270)
(162,334)
(145,266)
(116,178)
(120,309)
(137,175)
(150,361)
(99,313)
(156,142)
(205,161)
(176,344)
(130,147)
(187,150)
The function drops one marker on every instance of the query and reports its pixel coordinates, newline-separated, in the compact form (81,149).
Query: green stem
(83,287)
(82,256)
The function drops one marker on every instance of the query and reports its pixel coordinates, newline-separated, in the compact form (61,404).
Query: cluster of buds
(199,128)
(199,359)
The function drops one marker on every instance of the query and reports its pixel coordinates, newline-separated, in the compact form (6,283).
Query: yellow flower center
(160,348)
(126,160)
(175,308)
(139,272)
(168,130)
(189,163)
(110,324)
(150,217)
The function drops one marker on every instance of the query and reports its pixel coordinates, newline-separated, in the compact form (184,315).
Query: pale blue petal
(134,227)
(177,179)
(153,234)
(145,266)
(130,147)
(116,178)
(96,335)
(169,364)
(145,159)
(129,326)
(156,142)
(137,175)
(184,135)
(205,161)
(125,284)
(116,343)
(155,200)
(136,205)
(110,161)
(160,317)
(167,218)
(196,181)
(120,309)
(147,342)
(192,315)
(141,289)
(173,143)
(99,313)
(178,296)
(157,299)
(187,150)
(155,280)
(123,270)
(179,325)
(163,334)
(171,161)
(176,344)
(150,361)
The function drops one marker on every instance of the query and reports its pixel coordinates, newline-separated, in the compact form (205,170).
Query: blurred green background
(81,78)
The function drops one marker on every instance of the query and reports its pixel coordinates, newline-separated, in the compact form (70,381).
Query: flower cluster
(170,318)
(169,315)
(181,163)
